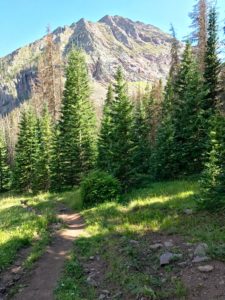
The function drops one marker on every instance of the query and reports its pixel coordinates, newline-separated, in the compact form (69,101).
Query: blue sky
(23,21)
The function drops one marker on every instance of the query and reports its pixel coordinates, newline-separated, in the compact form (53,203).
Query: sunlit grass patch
(19,227)
(159,208)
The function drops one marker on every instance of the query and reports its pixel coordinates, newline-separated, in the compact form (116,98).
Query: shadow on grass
(120,233)
(20,226)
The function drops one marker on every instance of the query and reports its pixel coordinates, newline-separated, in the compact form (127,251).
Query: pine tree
(174,53)
(26,153)
(42,180)
(142,142)
(154,109)
(212,65)
(189,136)
(104,141)
(162,159)
(56,169)
(221,104)
(77,128)
(213,178)
(181,138)
(4,166)
(121,134)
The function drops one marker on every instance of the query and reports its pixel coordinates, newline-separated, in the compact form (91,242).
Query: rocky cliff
(142,50)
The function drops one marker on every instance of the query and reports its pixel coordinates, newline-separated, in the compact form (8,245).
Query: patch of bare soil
(205,286)
(201,277)
(14,273)
(40,282)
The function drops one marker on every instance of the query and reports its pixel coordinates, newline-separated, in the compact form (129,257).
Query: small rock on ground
(205,269)
(168,244)
(134,242)
(201,249)
(167,257)
(198,259)
(156,246)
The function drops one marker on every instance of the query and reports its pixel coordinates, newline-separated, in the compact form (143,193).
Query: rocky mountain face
(142,50)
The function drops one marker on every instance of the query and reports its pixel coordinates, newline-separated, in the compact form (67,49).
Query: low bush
(99,187)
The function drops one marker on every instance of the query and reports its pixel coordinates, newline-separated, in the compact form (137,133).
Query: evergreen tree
(142,142)
(162,159)
(221,104)
(154,109)
(4,166)
(212,64)
(105,141)
(121,134)
(187,117)
(174,53)
(181,138)
(26,153)
(213,178)
(44,156)
(56,169)
(162,164)
(77,128)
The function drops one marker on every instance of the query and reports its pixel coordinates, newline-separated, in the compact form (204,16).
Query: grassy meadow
(120,234)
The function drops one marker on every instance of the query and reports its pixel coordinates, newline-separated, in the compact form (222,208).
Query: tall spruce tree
(26,153)
(121,134)
(56,169)
(162,159)
(181,138)
(174,53)
(212,64)
(42,180)
(77,128)
(187,117)
(5,179)
(142,139)
(105,140)
(213,177)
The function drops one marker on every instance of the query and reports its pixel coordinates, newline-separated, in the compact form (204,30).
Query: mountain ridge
(142,50)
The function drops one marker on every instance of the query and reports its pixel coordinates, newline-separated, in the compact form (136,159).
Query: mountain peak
(109,19)
(143,51)
(82,21)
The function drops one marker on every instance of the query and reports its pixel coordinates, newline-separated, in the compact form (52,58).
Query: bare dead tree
(47,88)
(199,34)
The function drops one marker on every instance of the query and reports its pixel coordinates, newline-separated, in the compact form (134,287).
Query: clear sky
(23,21)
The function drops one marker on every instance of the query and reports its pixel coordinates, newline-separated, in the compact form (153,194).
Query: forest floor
(155,244)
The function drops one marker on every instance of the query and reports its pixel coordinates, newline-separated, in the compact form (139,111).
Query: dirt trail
(43,279)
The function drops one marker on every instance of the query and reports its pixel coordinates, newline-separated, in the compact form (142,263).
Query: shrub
(98,187)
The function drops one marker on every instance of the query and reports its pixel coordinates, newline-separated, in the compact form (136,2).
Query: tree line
(164,133)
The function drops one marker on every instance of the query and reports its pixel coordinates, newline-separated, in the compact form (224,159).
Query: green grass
(112,231)
(71,199)
(21,228)
(111,227)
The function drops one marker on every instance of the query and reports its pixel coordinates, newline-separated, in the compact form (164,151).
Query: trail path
(43,280)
